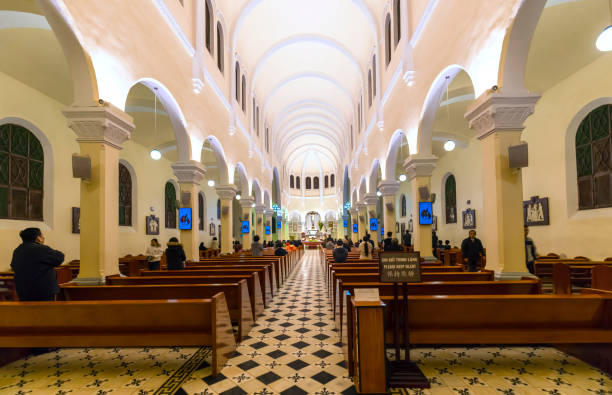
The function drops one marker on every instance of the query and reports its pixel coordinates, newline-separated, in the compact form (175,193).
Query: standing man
(387,242)
(471,248)
(530,252)
(34,266)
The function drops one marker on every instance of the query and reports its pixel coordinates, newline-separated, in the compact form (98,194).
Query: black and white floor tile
(294,349)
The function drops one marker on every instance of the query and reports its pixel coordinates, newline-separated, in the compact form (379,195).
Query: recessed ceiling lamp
(402,177)
(211,183)
(604,40)
(449,145)
(238,197)
(155,154)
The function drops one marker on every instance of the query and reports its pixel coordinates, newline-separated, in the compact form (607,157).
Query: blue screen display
(185,218)
(355,228)
(373,224)
(246,227)
(382,231)
(278,225)
(346,223)
(267,229)
(425,213)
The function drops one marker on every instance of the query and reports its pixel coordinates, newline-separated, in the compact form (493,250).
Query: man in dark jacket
(471,249)
(387,242)
(34,266)
(340,253)
(175,255)
(407,239)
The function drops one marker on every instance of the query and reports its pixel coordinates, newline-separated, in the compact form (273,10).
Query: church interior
(470,138)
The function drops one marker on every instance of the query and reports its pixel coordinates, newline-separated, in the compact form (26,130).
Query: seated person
(387,242)
(202,247)
(280,251)
(447,245)
(340,253)
(175,255)
(366,248)
(34,266)
(330,244)
(214,244)
(395,246)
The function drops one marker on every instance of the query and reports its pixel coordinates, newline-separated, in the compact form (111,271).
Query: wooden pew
(253,284)
(7,288)
(527,286)
(580,270)
(602,278)
(120,323)
(506,319)
(274,266)
(265,280)
(236,296)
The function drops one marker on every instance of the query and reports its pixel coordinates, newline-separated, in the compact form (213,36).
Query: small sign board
(366,295)
(399,267)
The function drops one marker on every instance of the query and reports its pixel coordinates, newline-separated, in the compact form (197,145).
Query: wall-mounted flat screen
(185,218)
(425,213)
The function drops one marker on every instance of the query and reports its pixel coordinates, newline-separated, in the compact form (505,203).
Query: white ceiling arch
(299,133)
(316,114)
(324,150)
(309,124)
(306,105)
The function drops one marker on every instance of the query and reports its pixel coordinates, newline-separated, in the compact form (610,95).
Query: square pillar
(354,220)
(190,175)
(247,205)
(371,202)
(419,169)
(100,130)
(498,119)
(226,193)
(389,188)
(268,213)
(362,216)
(259,219)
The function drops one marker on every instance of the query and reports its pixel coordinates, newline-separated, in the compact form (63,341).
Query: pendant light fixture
(450,144)
(155,153)
(402,176)
(604,40)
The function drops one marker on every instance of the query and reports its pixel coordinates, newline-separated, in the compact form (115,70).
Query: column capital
(361,206)
(104,123)
(260,209)
(247,201)
(371,199)
(353,211)
(227,191)
(388,187)
(269,212)
(493,112)
(420,165)
(189,172)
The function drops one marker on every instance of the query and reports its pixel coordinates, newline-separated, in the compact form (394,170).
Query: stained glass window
(125,196)
(594,159)
(450,198)
(403,206)
(21,174)
(201,211)
(291,181)
(315,182)
(220,52)
(170,205)
(208,19)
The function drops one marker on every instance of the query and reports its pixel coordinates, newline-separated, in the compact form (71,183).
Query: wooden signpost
(404,268)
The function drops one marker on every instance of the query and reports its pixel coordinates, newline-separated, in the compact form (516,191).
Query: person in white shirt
(214,244)
(154,253)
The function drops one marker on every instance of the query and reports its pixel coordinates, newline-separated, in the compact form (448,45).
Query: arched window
(200,211)
(220,51)
(170,205)
(308,183)
(125,196)
(398,21)
(208,24)
(315,182)
(374,75)
(218,208)
(332,180)
(291,182)
(450,200)
(370,88)
(326,181)
(21,174)
(593,153)
(403,206)
(297,183)
(243,93)
(388,39)
(237,78)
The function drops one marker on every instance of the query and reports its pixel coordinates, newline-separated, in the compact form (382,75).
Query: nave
(294,349)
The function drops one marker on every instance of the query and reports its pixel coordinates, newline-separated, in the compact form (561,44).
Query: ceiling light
(253,205)
(378,193)
(449,145)
(211,183)
(402,177)
(155,154)
(604,40)
(238,197)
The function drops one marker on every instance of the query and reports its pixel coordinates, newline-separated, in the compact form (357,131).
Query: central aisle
(292,349)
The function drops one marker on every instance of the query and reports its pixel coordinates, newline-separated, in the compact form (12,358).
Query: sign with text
(399,267)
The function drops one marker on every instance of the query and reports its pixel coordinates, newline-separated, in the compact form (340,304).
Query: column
(341,231)
(226,193)
(362,215)
(354,220)
(419,169)
(268,213)
(389,188)
(498,119)
(100,132)
(190,174)
(259,219)
(371,201)
(247,205)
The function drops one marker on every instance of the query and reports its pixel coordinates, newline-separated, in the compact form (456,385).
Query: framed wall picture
(469,219)
(535,211)
(76,220)
(152,225)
